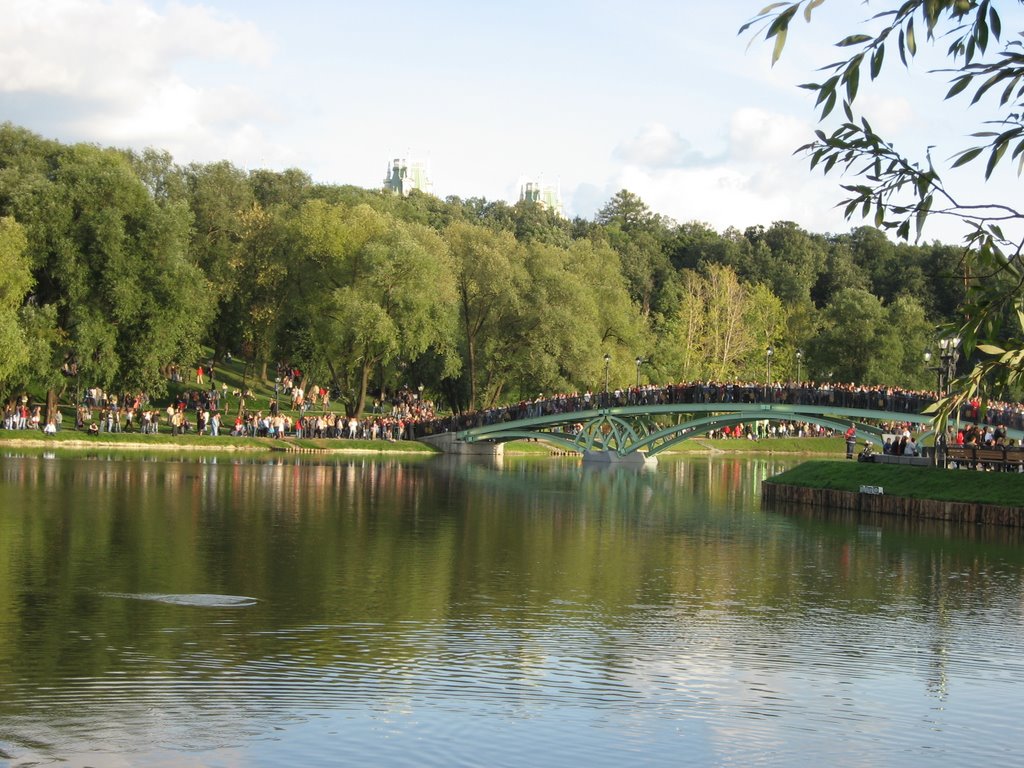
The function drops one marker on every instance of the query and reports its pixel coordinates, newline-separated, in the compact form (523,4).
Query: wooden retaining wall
(921,509)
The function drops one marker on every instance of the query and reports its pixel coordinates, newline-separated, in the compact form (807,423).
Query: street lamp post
(768,358)
(639,362)
(277,386)
(937,369)
(799,360)
(949,354)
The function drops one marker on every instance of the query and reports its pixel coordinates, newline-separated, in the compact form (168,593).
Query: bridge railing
(888,399)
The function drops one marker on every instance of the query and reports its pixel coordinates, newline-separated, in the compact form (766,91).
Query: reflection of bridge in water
(638,426)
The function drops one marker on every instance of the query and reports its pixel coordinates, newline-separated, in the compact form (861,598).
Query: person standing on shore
(851,440)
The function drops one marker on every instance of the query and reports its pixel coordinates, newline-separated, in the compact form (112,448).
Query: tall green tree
(852,333)
(694,244)
(722,326)
(109,260)
(290,187)
(14,287)
(577,310)
(906,336)
(374,289)
(221,200)
(841,271)
(266,277)
(491,282)
(628,212)
(639,236)
(785,258)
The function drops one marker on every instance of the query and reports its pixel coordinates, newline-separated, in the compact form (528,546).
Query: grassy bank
(830,446)
(1000,488)
(72,439)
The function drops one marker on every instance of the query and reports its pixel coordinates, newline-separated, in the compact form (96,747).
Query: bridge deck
(626,429)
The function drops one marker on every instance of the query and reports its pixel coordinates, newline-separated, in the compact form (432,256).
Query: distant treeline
(118,264)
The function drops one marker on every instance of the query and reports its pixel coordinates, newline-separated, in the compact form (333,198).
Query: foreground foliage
(900,189)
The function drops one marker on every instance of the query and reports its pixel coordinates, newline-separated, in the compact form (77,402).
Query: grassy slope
(1002,488)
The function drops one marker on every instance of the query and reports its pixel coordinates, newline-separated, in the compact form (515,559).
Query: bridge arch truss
(624,430)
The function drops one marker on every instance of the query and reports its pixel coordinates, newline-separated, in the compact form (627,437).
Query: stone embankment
(880,504)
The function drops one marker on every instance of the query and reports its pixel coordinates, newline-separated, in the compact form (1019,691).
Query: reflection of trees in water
(940,575)
(361,560)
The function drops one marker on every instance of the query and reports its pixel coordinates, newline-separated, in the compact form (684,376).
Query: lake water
(231,612)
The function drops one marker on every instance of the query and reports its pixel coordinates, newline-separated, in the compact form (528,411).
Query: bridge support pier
(635,459)
(446,442)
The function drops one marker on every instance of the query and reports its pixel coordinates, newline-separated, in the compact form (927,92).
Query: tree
(115,294)
(841,271)
(851,336)
(221,199)
(372,289)
(692,244)
(264,275)
(16,284)
(535,223)
(785,258)
(721,327)
(639,236)
(901,194)
(628,212)
(491,282)
(900,357)
(765,315)
(575,309)
(289,187)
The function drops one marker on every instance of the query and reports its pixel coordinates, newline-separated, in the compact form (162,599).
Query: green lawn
(67,437)
(807,445)
(1001,488)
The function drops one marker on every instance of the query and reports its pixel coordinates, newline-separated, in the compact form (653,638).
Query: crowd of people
(889,399)
(19,415)
(203,410)
(406,415)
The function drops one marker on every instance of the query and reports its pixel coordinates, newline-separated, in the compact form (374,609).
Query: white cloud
(757,136)
(114,70)
(719,196)
(887,114)
(106,49)
(757,181)
(657,146)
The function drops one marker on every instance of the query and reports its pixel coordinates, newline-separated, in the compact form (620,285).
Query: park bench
(990,458)
(980,457)
(961,455)
(917,461)
(1014,459)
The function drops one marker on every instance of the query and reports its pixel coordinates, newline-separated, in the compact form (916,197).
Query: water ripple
(197,600)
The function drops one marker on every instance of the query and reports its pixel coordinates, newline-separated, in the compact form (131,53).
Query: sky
(663,98)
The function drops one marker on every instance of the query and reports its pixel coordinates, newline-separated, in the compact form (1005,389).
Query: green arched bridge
(637,432)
